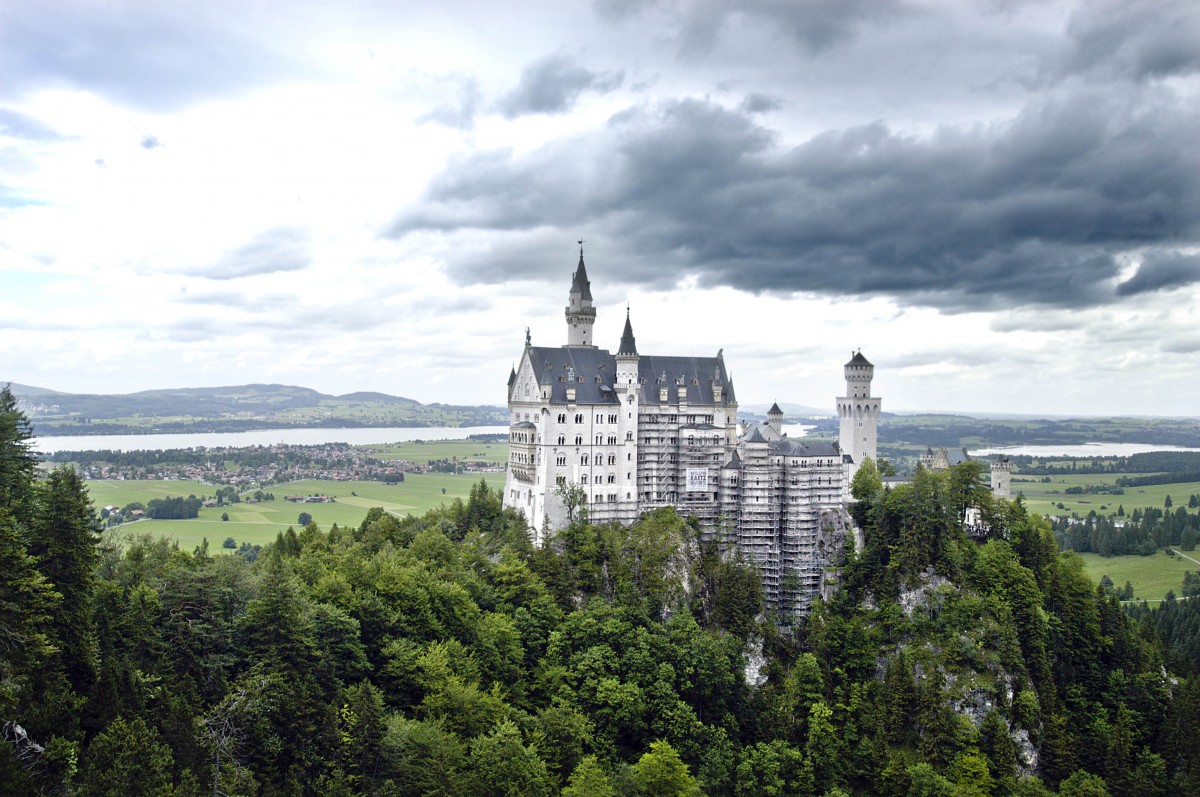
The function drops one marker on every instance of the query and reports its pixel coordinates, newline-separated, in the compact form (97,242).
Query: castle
(632,432)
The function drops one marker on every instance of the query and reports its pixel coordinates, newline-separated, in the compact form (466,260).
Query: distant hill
(791,412)
(27,390)
(235,408)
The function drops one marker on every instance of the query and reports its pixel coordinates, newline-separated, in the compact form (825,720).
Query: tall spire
(628,344)
(580,313)
(579,283)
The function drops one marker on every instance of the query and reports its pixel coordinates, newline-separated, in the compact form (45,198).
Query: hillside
(235,408)
(446,655)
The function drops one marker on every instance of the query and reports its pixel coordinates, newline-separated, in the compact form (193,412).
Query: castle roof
(579,283)
(754,436)
(628,344)
(555,366)
(734,463)
(790,447)
(857,359)
(774,409)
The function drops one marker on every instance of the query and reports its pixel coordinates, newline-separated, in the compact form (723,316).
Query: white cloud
(254,158)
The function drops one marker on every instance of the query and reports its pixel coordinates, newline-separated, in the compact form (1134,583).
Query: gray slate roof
(799,447)
(857,359)
(628,344)
(585,363)
(579,283)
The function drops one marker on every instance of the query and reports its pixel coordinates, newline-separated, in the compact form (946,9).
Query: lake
(268,437)
(263,437)
(1082,450)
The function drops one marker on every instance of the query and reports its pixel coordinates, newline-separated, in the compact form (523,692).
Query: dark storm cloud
(1162,271)
(1036,211)
(760,103)
(159,56)
(814,24)
(552,84)
(280,249)
(1136,39)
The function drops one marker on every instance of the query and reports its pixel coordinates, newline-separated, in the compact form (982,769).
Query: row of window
(611,418)
(691,419)
(612,459)
(600,439)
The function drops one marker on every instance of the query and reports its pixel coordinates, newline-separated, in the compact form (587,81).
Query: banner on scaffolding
(697,480)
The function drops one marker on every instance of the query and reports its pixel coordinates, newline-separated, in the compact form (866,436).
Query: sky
(998,202)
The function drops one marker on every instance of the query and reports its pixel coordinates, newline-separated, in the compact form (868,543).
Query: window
(579,418)
(583,479)
(629,436)
(599,439)
(612,459)
(562,417)
(560,479)
(562,439)
(612,478)
(583,460)
(578,439)
(561,459)
(612,440)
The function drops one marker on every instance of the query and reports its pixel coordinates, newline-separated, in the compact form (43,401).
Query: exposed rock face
(973,680)
(755,661)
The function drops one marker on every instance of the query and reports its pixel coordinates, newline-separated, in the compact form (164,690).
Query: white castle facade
(635,432)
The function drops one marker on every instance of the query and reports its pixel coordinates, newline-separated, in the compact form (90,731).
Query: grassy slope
(1042,498)
(259,523)
(1151,576)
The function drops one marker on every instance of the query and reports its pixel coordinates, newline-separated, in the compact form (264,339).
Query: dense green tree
(17,463)
(1083,784)
(27,602)
(661,773)
(589,780)
(503,765)
(128,758)
(65,536)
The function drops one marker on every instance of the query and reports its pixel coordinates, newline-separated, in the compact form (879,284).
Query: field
(1043,498)
(422,451)
(258,524)
(1151,576)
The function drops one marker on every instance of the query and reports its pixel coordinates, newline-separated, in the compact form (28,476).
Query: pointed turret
(775,419)
(628,344)
(580,313)
(579,281)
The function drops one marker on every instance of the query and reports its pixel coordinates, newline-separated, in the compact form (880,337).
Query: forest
(444,655)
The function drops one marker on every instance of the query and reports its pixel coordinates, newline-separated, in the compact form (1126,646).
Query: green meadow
(1043,497)
(258,524)
(422,451)
(1151,576)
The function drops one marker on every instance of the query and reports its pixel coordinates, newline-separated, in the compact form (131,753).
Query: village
(258,467)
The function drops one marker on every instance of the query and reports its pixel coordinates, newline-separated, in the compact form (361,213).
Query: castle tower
(858,412)
(1002,477)
(626,386)
(580,313)
(775,419)
(627,356)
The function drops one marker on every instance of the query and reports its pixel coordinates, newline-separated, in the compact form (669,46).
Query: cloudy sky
(998,202)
